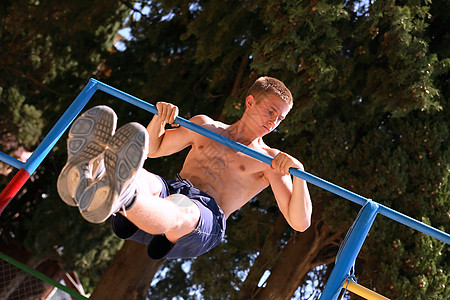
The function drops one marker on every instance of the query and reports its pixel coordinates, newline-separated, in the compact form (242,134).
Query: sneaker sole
(88,137)
(124,157)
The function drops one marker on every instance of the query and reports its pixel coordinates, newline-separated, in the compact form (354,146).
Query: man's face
(268,112)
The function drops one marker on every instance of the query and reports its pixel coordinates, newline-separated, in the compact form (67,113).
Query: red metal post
(13,187)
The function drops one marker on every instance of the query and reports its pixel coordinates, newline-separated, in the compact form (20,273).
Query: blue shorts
(209,232)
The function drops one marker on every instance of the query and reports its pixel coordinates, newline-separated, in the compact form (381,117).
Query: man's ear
(249,101)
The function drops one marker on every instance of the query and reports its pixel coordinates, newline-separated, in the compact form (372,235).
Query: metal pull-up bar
(355,241)
(93,85)
(388,212)
(362,226)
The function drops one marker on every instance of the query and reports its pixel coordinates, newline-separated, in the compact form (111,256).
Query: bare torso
(230,177)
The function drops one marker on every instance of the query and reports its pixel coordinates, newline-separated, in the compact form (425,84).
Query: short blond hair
(267,85)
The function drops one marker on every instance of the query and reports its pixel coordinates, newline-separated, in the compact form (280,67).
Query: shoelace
(87,168)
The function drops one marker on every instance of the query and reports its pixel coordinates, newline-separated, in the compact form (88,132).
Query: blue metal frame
(349,250)
(390,213)
(11,161)
(60,127)
(355,239)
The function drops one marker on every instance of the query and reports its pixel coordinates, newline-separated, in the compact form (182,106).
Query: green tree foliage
(371,114)
(21,123)
(48,51)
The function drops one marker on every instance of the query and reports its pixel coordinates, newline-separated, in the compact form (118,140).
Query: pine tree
(371,92)
(48,52)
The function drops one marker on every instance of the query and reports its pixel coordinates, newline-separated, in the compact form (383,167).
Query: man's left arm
(292,194)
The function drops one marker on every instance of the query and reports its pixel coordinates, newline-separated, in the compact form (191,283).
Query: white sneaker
(124,157)
(88,137)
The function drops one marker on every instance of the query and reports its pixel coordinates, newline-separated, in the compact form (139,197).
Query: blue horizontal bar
(413,223)
(126,97)
(390,213)
(59,128)
(11,160)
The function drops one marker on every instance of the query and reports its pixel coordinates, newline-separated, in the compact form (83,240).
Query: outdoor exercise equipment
(350,247)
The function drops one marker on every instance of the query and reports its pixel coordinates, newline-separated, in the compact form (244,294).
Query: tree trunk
(129,275)
(269,254)
(297,258)
(240,74)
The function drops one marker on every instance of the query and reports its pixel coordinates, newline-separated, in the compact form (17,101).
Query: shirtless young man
(184,217)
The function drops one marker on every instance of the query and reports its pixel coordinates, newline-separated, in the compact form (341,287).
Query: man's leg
(127,186)
(172,217)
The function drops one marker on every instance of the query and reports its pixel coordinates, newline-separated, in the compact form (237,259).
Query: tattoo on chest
(214,158)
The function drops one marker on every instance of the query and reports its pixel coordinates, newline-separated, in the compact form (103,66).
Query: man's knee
(149,183)
(188,208)
(180,200)
(189,213)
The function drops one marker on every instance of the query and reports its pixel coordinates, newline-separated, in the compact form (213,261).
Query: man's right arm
(163,142)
